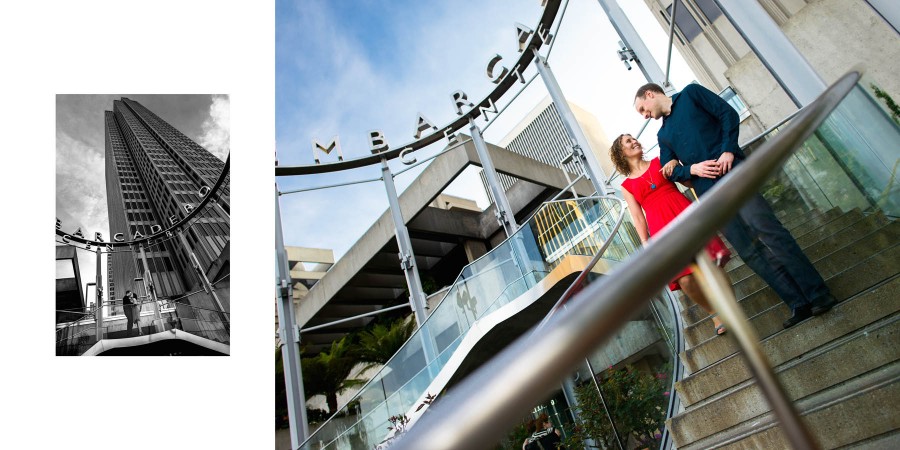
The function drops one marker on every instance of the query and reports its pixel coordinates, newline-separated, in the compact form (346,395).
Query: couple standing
(701,131)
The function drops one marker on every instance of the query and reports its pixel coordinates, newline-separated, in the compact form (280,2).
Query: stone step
(883,441)
(755,296)
(782,348)
(700,325)
(806,237)
(859,410)
(799,218)
(810,219)
(872,349)
(851,281)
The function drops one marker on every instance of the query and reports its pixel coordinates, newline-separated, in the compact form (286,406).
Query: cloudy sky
(80,150)
(344,68)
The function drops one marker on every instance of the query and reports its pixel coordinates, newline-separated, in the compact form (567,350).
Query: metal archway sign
(529,42)
(162,234)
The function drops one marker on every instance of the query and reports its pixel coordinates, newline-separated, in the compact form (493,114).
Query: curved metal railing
(511,382)
(582,226)
(77,336)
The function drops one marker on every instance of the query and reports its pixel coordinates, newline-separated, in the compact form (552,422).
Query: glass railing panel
(849,162)
(493,280)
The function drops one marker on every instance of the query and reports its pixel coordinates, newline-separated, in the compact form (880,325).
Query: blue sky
(344,68)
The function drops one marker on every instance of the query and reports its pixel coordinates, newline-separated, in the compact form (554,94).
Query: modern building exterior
(69,296)
(308,265)
(834,36)
(542,136)
(154,173)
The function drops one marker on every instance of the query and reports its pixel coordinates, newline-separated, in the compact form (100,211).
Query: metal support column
(207,286)
(633,42)
(612,423)
(407,258)
(581,147)
(792,71)
(290,338)
(98,288)
(408,264)
(151,290)
(503,209)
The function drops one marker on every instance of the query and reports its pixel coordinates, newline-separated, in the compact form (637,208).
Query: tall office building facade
(152,172)
(542,136)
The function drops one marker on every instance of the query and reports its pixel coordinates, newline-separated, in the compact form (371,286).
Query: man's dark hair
(642,91)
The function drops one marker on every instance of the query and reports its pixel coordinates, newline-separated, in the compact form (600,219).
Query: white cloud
(81,194)
(216,135)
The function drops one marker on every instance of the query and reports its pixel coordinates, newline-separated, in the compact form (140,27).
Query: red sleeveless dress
(661,204)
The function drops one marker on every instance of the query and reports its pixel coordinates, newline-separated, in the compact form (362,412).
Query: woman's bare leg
(691,288)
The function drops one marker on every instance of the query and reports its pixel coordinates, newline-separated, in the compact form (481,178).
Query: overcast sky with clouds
(80,153)
(344,68)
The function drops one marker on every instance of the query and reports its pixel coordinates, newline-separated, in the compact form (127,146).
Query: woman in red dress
(646,188)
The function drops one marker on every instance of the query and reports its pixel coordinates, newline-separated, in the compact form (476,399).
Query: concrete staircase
(841,369)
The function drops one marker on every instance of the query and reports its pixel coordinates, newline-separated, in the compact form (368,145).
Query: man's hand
(706,169)
(666,170)
(725,162)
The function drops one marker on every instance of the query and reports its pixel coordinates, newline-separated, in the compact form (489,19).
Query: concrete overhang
(368,277)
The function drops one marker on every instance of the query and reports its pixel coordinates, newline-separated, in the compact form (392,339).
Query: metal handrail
(462,279)
(590,266)
(533,366)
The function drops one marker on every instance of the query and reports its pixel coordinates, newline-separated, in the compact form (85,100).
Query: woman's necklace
(651,183)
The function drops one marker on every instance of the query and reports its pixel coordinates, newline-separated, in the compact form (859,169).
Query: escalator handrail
(481,408)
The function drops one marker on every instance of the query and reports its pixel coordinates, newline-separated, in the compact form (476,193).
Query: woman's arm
(637,216)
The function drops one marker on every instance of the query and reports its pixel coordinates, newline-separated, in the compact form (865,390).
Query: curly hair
(617,155)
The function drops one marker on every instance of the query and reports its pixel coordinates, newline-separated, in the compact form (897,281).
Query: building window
(685,21)
(735,101)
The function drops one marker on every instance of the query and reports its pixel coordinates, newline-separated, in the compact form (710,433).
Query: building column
(503,210)
(581,147)
(290,338)
(474,249)
(791,70)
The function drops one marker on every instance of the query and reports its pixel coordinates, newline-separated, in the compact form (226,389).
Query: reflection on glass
(568,227)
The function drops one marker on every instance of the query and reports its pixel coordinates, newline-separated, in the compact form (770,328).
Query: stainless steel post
(581,147)
(407,258)
(717,289)
(792,71)
(612,423)
(151,291)
(290,338)
(408,264)
(632,40)
(202,275)
(504,210)
(98,288)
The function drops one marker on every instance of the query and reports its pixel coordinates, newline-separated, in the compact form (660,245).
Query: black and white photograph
(142,225)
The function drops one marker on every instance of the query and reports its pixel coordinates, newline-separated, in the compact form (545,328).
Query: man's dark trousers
(769,249)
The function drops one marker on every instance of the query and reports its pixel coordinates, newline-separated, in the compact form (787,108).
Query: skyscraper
(541,136)
(154,173)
